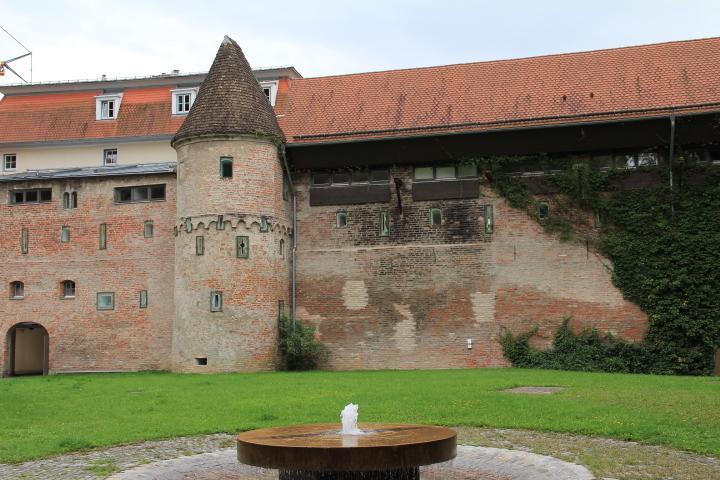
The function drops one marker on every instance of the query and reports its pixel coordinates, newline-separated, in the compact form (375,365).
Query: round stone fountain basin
(323,448)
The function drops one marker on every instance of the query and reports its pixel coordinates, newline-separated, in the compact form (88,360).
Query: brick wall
(243,336)
(414,298)
(81,338)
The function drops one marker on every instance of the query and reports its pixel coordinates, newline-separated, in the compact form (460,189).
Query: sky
(84,39)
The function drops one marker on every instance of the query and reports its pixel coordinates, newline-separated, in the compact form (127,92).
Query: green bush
(299,349)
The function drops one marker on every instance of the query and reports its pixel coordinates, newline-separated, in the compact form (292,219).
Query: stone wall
(82,338)
(414,299)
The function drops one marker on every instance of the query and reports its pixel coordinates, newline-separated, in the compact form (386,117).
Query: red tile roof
(598,85)
(603,85)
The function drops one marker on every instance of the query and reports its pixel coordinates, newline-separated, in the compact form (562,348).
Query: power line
(11,36)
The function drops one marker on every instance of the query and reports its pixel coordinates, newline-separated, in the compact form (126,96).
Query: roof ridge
(504,60)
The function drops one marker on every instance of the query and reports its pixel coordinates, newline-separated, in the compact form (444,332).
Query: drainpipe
(293,256)
(671,156)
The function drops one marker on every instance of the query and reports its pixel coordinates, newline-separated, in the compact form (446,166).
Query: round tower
(232,245)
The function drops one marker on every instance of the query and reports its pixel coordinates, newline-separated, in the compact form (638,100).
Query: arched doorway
(29,345)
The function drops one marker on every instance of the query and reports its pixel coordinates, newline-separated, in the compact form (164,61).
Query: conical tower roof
(230,100)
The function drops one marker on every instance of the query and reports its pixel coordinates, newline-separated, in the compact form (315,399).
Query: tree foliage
(299,349)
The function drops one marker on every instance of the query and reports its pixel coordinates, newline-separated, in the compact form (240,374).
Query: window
(543,210)
(199,245)
(183,100)
(356,177)
(145,193)
(341,219)
(270,91)
(216,301)
(242,246)
(264,224)
(68,289)
(384,224)
(281,309)
(9,162)
(489,220)
(282,248)
(65,234)
(106,301)
(143,298)
(220,225)
(103,236)
(435,216)
(21,197)
(201,361)
(24,240)
(446,172)
(110,156)
(226,167)
(107,107)
(148,229)
(286,189)
(641,160)
(17,290)
(66,200)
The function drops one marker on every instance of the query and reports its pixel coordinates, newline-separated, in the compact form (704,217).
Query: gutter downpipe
(293,257)
(671,156)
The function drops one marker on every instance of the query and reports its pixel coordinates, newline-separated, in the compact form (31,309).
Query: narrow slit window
(543,210)
(384,224)
(148,229)
(435,216)
(220,225)
(17,290)
(143,298)
(226,167)
(281,309)
(282,248)
(341,219)
(243,246)
(264,224)
(24,241)
(73,200)
(106,301)
(216,301)
(66,200)
(103,236)
(199,245)
(68,287)
(489,219)
(65,234)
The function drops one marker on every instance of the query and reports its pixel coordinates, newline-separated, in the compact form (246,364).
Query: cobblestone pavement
(477,463)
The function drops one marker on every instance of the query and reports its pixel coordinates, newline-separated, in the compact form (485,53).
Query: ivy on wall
(665,247)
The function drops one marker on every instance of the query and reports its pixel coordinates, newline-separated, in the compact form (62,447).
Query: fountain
(367,451)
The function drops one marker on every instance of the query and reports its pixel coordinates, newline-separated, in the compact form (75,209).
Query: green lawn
(41,416)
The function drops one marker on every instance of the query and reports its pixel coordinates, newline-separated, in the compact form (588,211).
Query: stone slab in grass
(535,390)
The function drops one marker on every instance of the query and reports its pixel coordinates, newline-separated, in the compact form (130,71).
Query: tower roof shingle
(230,100)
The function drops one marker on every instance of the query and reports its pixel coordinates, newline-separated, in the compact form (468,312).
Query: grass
(42,416)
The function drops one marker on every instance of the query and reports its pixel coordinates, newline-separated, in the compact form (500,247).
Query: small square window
(380,175)
(143,298)
(65,234)
(445,172)
(182,103)
(341,219)
(199,245)
(17,290)
(110,156)
(31,196)
(321,178)
(68,289)
(201,361)
(106,301)
(216,301)
(157,192)
(543,210)
(489,220)
(341,178)
(140,194)
(123,194)
(148,229)
(9,162)
(424,173)
(243,246)
(467,170)
(435,216)
(108,109)
(384,224)
(226,167)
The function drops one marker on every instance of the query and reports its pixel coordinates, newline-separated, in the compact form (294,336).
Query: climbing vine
(665,247)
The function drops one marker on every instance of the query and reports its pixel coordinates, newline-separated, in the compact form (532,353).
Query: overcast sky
(78,39)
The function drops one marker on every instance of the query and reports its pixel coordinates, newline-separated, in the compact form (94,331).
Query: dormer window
(107,106)
(270,91)
(182,100)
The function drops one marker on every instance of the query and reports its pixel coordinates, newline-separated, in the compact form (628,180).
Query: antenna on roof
(4,63)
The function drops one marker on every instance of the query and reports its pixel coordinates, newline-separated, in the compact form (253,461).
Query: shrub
(299,348)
